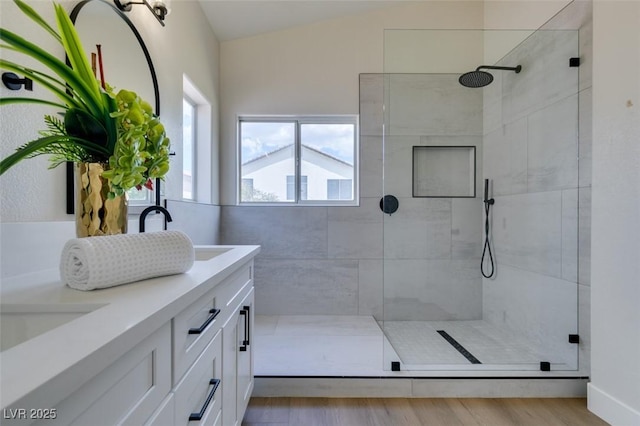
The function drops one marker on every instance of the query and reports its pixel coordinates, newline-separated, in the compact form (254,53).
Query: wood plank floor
(418,411)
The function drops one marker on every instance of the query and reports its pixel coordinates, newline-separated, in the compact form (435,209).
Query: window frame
(194,149)
(299,121)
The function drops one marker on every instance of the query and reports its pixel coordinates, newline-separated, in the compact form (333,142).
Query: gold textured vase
(96,214)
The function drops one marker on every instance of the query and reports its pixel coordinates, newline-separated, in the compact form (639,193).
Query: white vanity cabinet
(210,365)
(238,359)
(195,369)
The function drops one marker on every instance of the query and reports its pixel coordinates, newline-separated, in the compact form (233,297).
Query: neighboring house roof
(289,146)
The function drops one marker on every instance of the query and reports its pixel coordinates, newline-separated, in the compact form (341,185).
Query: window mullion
(298,155)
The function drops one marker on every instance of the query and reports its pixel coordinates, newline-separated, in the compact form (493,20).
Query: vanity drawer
(232,291)
(200,390)
(193,329)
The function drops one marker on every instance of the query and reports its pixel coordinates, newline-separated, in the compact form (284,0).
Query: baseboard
(609,408)
(387,387)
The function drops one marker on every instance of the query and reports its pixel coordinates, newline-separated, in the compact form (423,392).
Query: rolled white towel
(107,261)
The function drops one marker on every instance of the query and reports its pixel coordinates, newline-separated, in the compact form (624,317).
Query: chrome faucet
(158,209)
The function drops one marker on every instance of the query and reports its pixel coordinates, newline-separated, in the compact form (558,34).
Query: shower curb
(420,387)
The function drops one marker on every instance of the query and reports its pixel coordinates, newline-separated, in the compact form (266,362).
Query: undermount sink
(209,252)
(22,322)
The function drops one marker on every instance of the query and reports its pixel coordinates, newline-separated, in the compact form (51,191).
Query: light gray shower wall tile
(505,158)
(552,149)
(371,166)
(372,89)
(312,287)
(416,290)
(586,53)
(466,228)
(576,235)
(398,163)
(433,104)
(492,104)
(370,287)
(526,231)
(586,137)
(584,236)
(537,308)
(420,229)
(463,140)
(466,287)
(584,328)
(283,232)
(546,76)
(356,232)
(570,235)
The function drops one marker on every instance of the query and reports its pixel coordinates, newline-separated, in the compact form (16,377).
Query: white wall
(314,69)
(614,391)
(29,191)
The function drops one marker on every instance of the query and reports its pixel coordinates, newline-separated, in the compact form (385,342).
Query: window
(188,149)
(141,196)
(339,189)
(298,160)
(198,175)
(291,187)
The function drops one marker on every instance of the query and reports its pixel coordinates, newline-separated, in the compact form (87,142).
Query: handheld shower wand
(488,202)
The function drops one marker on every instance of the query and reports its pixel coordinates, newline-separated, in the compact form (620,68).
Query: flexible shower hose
(487,245)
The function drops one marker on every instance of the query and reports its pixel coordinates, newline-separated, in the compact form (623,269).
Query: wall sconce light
(158,8)
(13,82)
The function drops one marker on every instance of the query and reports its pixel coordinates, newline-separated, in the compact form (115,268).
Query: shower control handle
(487,200)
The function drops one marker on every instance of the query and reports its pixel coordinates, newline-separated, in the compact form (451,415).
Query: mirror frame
(74,16)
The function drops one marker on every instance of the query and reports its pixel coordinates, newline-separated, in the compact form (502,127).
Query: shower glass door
(440,141)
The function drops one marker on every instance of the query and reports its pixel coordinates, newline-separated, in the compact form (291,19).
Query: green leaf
(83,125)
(58,89)
(16,100)
(110,122)
(28,10)
(35,147)
(75,52)
(83,89)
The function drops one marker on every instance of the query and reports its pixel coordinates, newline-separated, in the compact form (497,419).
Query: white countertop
(50,366)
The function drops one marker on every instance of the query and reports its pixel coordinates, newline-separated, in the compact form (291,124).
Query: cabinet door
(125,393)
(230,334)
(245,356)
(237,360)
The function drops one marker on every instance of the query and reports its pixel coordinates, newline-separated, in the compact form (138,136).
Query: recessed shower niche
(444,171)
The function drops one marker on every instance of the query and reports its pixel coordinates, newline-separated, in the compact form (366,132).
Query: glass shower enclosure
(439,143)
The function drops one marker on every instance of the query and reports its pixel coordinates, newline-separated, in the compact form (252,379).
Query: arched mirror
(125,58)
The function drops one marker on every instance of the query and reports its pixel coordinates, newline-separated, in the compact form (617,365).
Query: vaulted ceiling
(231,19)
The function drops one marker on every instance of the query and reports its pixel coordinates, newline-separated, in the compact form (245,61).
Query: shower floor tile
(332,345)
(317,345)
(418,342)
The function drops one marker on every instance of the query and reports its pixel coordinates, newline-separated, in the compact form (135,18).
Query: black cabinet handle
(247,325)
(245,314)
(214,313)
(198,416)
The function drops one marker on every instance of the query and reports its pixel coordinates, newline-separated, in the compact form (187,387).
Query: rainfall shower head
(479,78)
